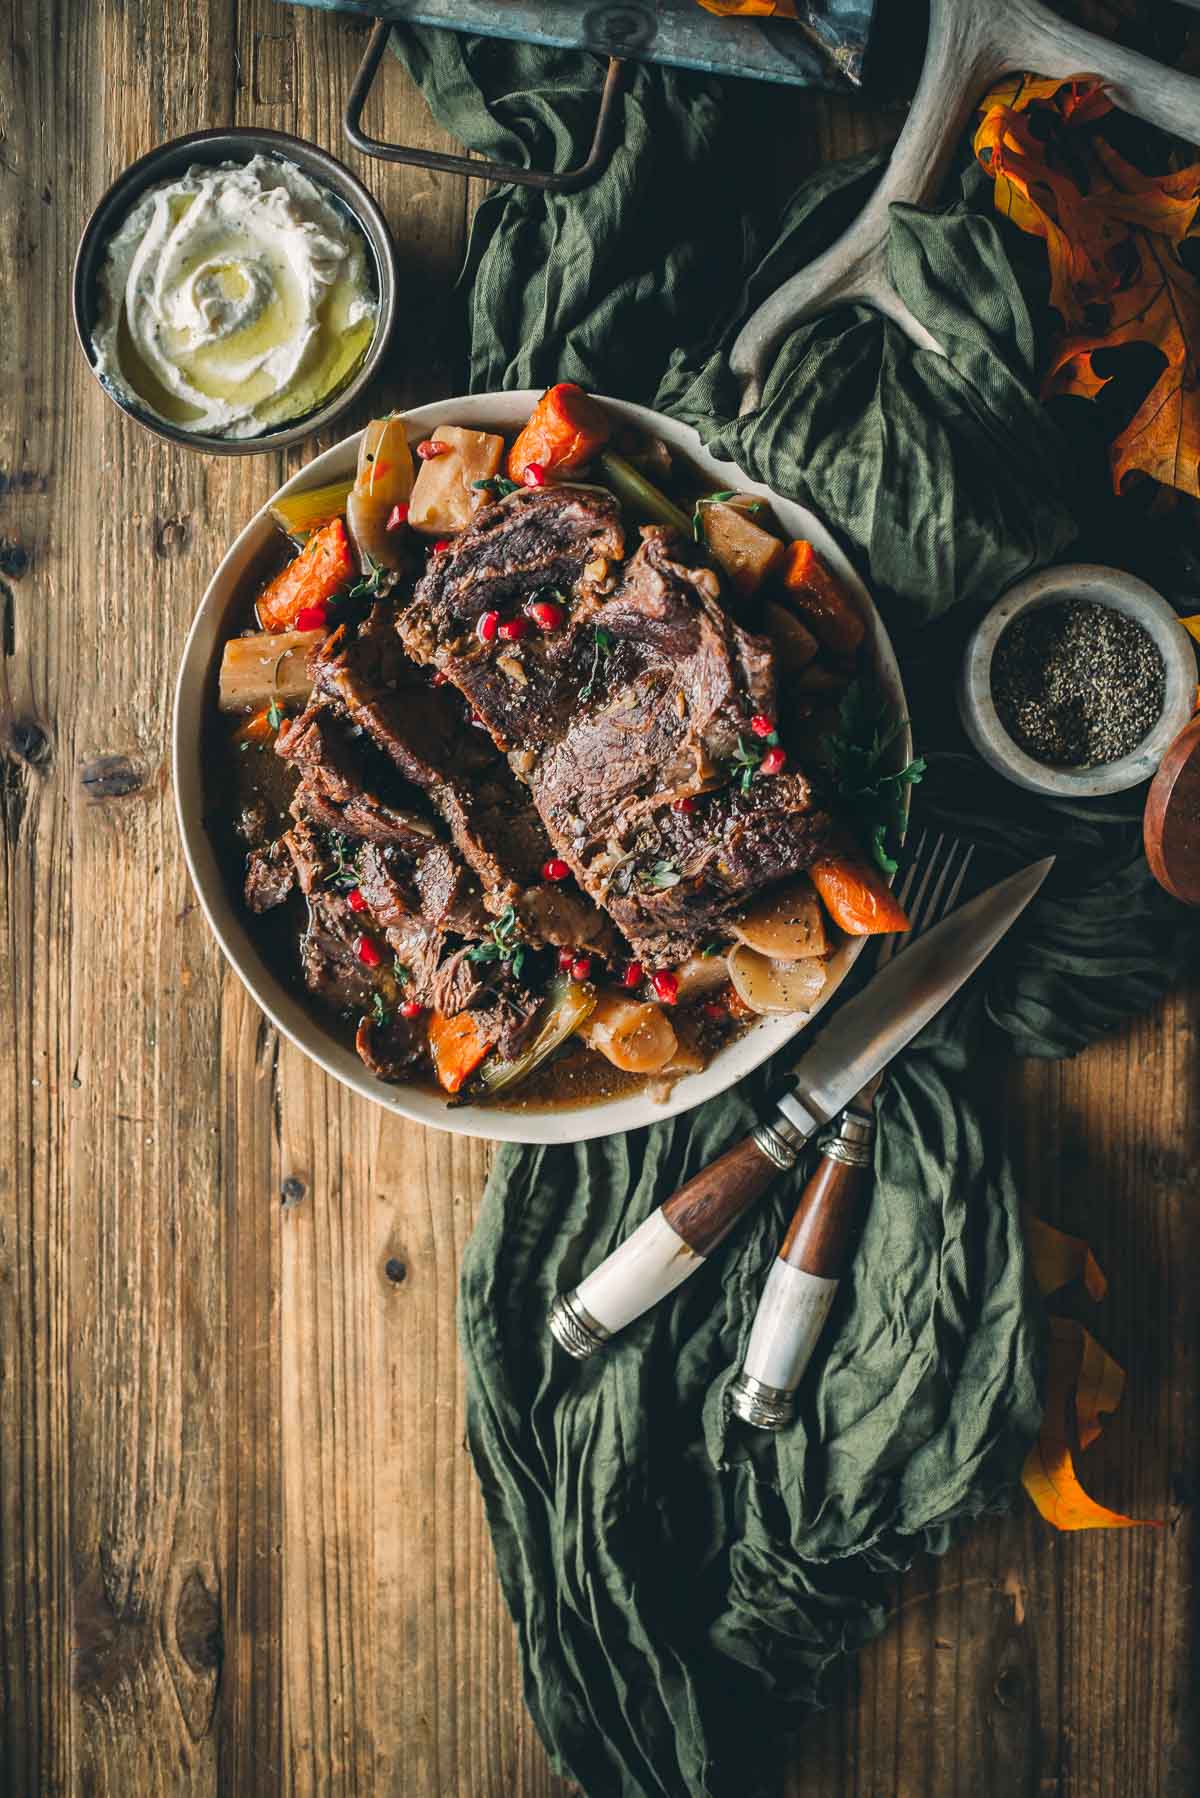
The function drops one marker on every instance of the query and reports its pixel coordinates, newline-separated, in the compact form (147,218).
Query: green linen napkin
(681,1585)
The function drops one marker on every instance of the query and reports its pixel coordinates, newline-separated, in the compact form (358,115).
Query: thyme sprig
(498,485)
(345,873)
(747,756)
(662,876)
(601,650)
(502,944)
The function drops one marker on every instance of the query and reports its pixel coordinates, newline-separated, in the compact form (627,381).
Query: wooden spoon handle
(803,1279)
(673,1242)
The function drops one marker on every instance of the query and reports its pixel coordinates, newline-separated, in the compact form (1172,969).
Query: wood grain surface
(241,1546)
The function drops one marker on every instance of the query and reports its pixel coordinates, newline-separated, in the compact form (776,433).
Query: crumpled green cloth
(682,1585)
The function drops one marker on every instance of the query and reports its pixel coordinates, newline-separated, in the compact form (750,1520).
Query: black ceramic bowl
(238,144)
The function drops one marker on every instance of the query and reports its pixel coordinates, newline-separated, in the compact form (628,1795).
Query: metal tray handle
(568,182)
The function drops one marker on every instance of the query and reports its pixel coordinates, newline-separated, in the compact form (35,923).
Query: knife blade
(857,1044)
(893,1007)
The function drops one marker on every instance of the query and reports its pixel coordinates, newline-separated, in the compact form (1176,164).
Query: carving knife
(856,1046)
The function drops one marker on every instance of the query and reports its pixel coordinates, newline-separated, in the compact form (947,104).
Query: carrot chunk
(821,600)
(566,428)
(257,728)
(857,897)
(323,566)
(457,1046)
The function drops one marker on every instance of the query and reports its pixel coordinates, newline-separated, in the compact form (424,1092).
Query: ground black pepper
(1077,684)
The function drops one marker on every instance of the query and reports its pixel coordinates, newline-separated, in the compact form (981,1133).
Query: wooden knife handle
(803,1280)
(673,1241)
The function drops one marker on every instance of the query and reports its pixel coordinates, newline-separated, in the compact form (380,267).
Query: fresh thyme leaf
(379,1011)
(711,499)
(368,587)
(400,972)
(663,875)
(601,650)
(712,949)
(344,873)
(501,945)
(274,715)
(497,485)
(873,799)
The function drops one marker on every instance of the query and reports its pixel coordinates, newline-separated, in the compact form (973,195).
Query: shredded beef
(270,877)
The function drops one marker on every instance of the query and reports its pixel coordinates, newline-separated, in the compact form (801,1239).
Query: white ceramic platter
(196,693)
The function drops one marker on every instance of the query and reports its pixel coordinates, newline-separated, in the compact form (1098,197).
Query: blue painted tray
(825,47)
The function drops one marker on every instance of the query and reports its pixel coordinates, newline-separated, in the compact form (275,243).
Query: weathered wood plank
(241,1546)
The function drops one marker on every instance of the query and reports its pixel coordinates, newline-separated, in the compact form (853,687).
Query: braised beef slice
(270,877)
(487,812)
(637,702)
(328,957)
(337,790)
(687,874)
(392,1048)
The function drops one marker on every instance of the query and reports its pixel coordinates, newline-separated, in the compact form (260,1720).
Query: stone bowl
(1099,586)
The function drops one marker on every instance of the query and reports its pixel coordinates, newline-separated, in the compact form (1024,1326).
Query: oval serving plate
(195,693)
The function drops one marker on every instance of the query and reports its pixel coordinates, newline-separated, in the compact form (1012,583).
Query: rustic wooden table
(241,1545)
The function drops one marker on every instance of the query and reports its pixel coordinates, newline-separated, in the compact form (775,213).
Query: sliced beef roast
(487,812)
(636,704)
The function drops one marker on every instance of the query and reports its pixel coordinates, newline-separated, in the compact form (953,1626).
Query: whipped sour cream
(234,298)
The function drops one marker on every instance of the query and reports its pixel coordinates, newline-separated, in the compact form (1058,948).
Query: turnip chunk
(700,974)
(266,666)
(793,643)
(633,1035)
(444,496)
(776,986)
(740,547)
(384,480)
(785,926)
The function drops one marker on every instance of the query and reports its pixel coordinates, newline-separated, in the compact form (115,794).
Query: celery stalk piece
(301,513)
(569,1003)
(639,496)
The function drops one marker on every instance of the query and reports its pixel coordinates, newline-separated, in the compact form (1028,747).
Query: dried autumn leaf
(1082,1385)
(1058,1259)
(1113,239)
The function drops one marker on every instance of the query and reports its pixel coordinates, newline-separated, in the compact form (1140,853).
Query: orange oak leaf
(1057,1259)
(1113,239)
(1083,1384)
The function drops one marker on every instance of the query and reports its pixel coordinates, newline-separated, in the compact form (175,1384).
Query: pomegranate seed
(312,618)
(410,1008)
(546,615)
(666,985)
(441,544)
(513,629)
(477,721)
(427,449)
(369,953)
(555,869)
(355,900)
(565,959)
(772,762)
(634,974)
(685,804)
(488,624)
(398,516)
(715,1013)
(535,475)
(440,679)
(761,725)
(581,967)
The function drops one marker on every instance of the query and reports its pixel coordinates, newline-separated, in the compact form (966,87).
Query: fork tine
(891,944)
(935,909)
(916,911)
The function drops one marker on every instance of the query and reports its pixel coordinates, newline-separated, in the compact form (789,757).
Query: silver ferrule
(776,1142)
(574,1328)
(766,1407)
(852,1141)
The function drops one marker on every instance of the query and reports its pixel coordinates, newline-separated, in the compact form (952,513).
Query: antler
(972,43)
